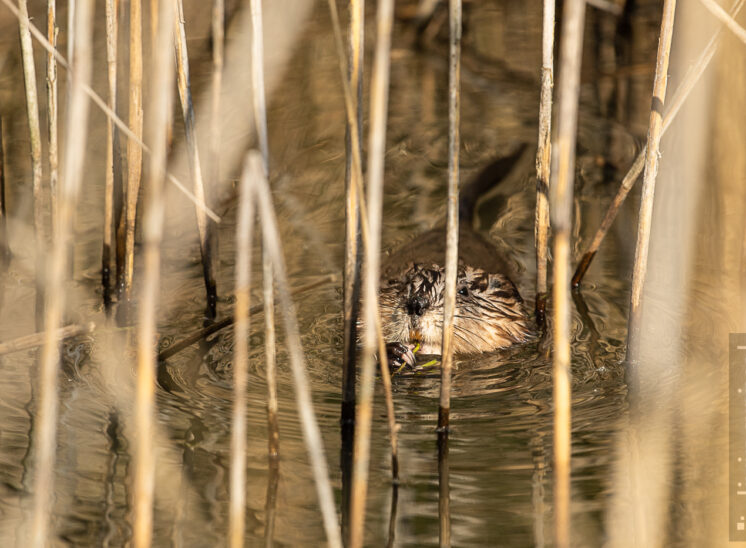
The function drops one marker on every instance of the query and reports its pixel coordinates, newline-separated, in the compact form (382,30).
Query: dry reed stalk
(159,120)
(376,153)
(561,189)
(691,77)
(36,339)
(4,248)
(311,432)
(205,227)
(543,160)
(134,152)
(52,108)
(651,171)
(32,112)
(353,256)
(75,139)
(244,228)
(218,56)
(260,120)
(357,179)
(111,65)
(454,143)
(100,103)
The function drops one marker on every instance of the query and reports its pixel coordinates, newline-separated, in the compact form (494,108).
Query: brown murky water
(501,440)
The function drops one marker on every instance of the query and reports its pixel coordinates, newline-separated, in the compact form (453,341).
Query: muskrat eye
(464,291)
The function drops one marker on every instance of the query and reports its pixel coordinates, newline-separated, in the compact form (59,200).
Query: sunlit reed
(4,248)
(310,427)
(32,114)
(376,152)
(53,153)
(543,160)
(159,120)
(112,25)
(204,226)
(353,257)
(244,233)
(45,431)
(726,19)
(651,171)
(561,199)
(37,339)
(134,152)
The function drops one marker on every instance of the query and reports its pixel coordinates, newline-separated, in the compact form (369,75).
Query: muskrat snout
(416,306)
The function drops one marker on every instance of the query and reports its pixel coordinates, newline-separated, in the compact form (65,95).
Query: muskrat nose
(415,306)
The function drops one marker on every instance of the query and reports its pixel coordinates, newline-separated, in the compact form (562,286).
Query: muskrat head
(489,310)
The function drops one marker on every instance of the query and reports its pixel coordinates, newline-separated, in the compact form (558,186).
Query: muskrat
(489,310)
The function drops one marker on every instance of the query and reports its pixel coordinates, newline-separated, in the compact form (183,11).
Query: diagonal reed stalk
(651,171)
(310,427)
(32,112)
(561,188)
(205,227)
(134,152)
(75,140)
(543,160)
(244,229)
(376,153)
(159,120)
(100,103)
(112,152)
(690,79)
(36,339)
(52,108)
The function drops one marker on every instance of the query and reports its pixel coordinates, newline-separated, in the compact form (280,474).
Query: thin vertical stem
(444,491)
(376,152)
(218,55)
(159,120)
(269,344)
(311,432)
(561,188)
(134,152)
(111,64)
(32,111)
(52,107)
(4,248)
(454,142)
(353,254)
(244,234)
(543,160)
(205,227)
(651,171)
(45,432)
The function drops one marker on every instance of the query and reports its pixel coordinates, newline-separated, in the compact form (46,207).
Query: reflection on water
(500,445)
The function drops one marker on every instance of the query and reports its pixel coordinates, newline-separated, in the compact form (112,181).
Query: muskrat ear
(496,281)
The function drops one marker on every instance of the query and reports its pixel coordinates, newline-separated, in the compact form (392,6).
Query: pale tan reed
(244,234)
(651,171)
(36,339)
(543,158)
(561,188)
(45,431)
(32,114)
(310,427)
(376,153)
(112,33)
(53,153)
(159,120)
